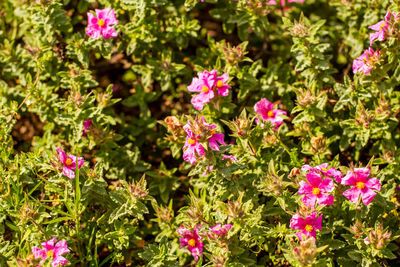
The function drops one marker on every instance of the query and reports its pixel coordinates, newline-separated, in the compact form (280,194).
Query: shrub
(176,133)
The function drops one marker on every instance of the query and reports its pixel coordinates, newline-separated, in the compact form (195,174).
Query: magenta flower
(192,143)
(365,63)
(101,23)
(361,185)
(220,229)
(266,110)
(380,28)
(51,250)
(208,84)
(191,239)
(316,190)
(323,169)
(307,225)
(191,146)
(69,163)
(86,127)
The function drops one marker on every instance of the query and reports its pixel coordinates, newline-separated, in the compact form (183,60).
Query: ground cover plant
(199,133)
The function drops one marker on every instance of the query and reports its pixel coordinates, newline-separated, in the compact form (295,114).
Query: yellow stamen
(50,253)
(360,185)
(308,228)
(101,22)
(191,141)
(315,191)
(382,25)
(192,242)
(205,89)
(324,169)
(220,84)
(270,113)
(68,162)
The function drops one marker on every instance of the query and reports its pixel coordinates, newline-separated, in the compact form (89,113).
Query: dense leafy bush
(221,133)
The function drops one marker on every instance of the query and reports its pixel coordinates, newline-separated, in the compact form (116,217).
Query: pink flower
(266,110)
(191,239)
(316,190)
(381,28)
(307,225)
(365,63)
(100,24)
(192,144)
(323,169)
(86,127)
(361,185)
(220,229)
(51,250)
(69,163)
(208,84)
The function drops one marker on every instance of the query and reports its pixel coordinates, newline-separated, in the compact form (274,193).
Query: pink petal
(318,222)
(59,260)
(200,150)
(38,253)
(305,188)
(108,32)
(92,20)
(373,183)
(362,172)
(69,172)
(367,195)
(214,139)
(61,248)
(314,179)
(376,26)
(349,178)
(327,185)
(325,199)
(61,155)
(195,86)
(297,222)
(352,194)
(93,32)
(309,200)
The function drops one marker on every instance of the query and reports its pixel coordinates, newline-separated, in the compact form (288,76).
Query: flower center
(68,162)
(308,228)
(50,253)
(382,25)
(315,191)
(324,169)
(220,84)
(101,22)
(191,141)
(205,89)
(270,113)
(360,185)
(192,242)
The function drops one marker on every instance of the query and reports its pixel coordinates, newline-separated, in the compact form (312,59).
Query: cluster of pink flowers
(52,249)
(266,111)
(192,238)
(208,85)
(69,163)
(369,58)
(318,186)
(200,132)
